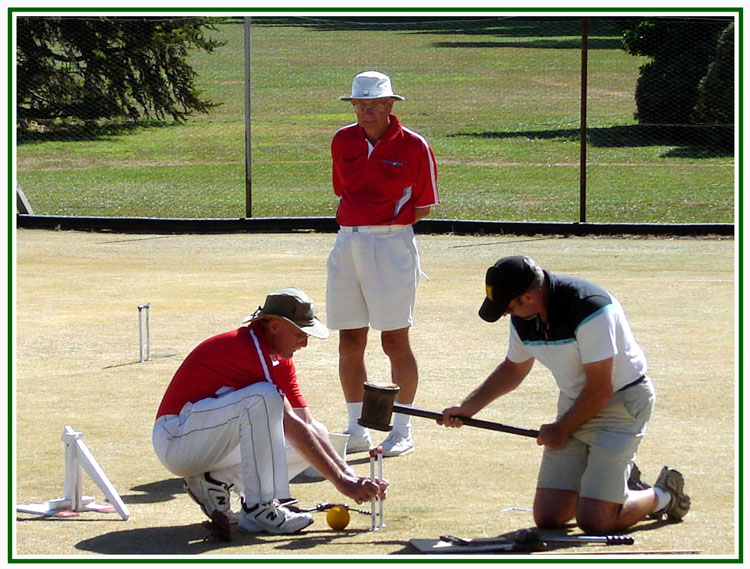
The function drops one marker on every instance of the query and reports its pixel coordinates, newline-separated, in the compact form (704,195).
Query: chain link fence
(500,98)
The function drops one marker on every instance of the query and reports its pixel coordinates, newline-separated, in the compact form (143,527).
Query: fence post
(248,136)
(584,81)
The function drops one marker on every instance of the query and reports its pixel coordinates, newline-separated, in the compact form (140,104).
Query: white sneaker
(211,495)
(272,517)
(359,441)
(397,444)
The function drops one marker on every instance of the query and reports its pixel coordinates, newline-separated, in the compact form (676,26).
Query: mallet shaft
(467,421)
(602,539)
(531,536)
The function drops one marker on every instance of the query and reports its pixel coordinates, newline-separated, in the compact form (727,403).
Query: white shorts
(373,273)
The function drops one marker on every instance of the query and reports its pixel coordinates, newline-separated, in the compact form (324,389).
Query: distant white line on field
(138,239)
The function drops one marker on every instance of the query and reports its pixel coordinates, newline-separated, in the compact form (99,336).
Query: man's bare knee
(352,343)
(396,343)
(554,508)
(597,517)
(596,526)
(545,521)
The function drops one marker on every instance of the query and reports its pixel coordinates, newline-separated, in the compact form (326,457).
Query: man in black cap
(580,333)
(224,419)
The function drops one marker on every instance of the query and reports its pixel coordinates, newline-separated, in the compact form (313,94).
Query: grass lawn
(498,99)
(87,286)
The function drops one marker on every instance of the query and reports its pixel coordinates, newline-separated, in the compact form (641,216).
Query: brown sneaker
(673,482)
(635,482)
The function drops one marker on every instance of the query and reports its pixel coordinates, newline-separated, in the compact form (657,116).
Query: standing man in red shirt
(224,418)
(386,180)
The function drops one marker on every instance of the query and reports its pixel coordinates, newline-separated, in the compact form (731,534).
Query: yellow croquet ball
(338,517)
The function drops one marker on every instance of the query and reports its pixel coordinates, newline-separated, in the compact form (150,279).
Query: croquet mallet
(379,404)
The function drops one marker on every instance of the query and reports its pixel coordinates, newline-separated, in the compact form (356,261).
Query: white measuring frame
(78,457)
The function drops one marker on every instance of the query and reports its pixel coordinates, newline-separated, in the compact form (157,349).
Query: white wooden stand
(78,455)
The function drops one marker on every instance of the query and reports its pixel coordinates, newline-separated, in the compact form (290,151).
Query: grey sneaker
(358,442)
(635,482)
(396,444)
(211,495)
(673,482)
(272,517)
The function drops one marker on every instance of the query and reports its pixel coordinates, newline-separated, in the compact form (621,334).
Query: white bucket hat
(371,85)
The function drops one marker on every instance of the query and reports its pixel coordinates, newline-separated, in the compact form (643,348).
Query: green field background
(497,98)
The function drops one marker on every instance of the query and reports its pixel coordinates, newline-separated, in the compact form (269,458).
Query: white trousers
(217,435)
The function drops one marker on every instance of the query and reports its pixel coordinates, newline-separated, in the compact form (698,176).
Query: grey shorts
(596,460)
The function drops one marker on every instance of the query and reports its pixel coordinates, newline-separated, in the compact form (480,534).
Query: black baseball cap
(505,280)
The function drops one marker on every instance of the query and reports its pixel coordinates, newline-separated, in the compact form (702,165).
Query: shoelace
(269,515)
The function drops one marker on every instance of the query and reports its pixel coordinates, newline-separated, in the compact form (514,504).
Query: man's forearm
(504,379)
(421,213)
(593,397)
(307,443)
(589,402)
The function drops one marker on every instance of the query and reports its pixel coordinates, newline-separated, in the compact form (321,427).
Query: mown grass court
(77,364)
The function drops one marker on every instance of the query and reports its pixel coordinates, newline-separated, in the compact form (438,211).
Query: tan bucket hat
(293,305)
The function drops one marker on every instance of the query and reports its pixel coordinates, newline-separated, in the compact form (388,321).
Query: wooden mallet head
(377,406)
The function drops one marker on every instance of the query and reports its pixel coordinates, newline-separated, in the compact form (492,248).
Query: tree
(715,104)
(681,50)
(104,67)
(716,90)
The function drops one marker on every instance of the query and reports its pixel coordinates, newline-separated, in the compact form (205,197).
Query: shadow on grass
(692,141)
(194,539)
(66,131)
(134,362)
(191,539)
(567,43)
(503,26)
(542,541)
(155,492)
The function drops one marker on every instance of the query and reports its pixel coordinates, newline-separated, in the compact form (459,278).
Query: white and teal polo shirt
(585,324)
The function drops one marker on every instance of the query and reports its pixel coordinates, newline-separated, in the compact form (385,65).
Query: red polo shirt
(234,359)
(384,186)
